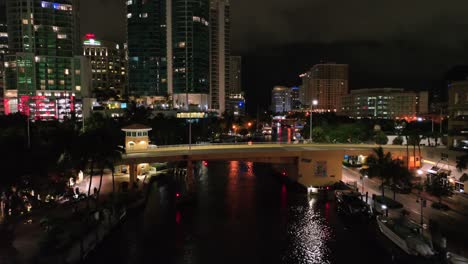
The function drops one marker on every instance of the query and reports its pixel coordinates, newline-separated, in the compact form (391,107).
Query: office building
(327,83)
(384,103)
(235,104)
(191,53)
(281,99)
(219,54)
(147,49)
(45,77)
(295,98)
(168,52)
(235,75)
(3,52)
(108,67)
(458,115)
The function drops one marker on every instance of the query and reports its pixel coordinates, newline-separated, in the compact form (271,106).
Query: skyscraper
(327,83)
(281,99)
(190,49)
(43,71)
(219,53)
(147,48)
(108,66)
(168,45)
(235,75)
(3,52)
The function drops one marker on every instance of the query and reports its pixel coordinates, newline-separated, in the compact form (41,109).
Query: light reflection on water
(243,214)
(309,236)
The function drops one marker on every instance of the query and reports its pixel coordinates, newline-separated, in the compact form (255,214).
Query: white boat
(406,235)
(456,259)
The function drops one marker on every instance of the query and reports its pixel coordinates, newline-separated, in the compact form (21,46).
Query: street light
(234,129)
(313,102)
(423,204)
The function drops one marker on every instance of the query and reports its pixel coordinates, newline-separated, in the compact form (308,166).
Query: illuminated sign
(191,115)
(92,42)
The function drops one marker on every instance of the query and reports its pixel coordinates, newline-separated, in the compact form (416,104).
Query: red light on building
(205,163)
(90,36)
(177,195)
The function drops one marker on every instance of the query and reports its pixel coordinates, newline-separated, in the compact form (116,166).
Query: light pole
(235,136)
(423,204)
(312,103)
(190,134)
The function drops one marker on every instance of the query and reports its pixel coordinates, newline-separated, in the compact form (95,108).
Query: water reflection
(309,235)
(243,214)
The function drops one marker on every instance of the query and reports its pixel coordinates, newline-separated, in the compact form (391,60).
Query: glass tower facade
(190,45)
(43,66)
(168,49)
(146,21)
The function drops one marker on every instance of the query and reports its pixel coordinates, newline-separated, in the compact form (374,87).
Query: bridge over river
(312,164)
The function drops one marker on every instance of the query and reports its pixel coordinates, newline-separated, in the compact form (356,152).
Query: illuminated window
(129,15)
(144,15)
(129,2)
(78,88)
(25,21)
(51,82)
(77,72)
(62,36)
(67,71)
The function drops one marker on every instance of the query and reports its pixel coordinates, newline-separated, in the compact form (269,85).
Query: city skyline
(411,61)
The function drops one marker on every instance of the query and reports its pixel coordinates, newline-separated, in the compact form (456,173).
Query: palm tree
(379,165)
(399,174)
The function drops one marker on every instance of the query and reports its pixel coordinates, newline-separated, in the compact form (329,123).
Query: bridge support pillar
(320,168)
(133,172)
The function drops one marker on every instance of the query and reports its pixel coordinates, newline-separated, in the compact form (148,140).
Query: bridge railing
(224,144)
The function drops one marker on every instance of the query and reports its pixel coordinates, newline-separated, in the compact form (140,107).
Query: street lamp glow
(313,103)
(420,172)
(249,124)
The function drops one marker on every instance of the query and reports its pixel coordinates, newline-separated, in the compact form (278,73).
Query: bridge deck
(280,153)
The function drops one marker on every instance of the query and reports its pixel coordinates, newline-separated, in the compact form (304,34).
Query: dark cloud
(266,22)
(105,18)
(397,43)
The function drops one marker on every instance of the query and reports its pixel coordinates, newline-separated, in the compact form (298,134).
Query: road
(453,223)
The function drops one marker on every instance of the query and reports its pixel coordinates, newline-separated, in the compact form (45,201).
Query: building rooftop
(136,127)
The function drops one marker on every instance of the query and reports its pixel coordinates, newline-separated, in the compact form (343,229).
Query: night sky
(398,43)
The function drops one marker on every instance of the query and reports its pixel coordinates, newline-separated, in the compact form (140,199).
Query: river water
(243,214)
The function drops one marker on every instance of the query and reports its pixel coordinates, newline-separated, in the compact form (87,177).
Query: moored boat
(406,235)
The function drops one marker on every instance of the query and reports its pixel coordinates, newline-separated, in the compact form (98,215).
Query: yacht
(406,235)
(351,203)
(456,259)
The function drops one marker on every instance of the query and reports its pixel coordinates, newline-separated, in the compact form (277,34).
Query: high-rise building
(168,51)
(44,75)
(3,52)
(281,99)
(108,66)
(295,98)
(147,48)
(384,103)
(191,53)
(326,83)
(219,53)
(235,75)
(235,104)
(458,112)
